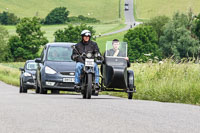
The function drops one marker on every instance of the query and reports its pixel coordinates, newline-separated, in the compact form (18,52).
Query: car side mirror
(21,69)
(38,60)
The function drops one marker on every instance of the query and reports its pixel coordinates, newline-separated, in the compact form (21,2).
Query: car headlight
(49,70)
(27,74)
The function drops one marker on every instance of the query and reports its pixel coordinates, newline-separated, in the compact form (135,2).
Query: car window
(31,66)
(58,53)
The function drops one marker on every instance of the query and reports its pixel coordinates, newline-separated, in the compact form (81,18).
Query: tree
(197,26)
(72,34)
(4,48)
(142,40)
(58,15)
(178,39)
(7,18)
(29,39)
(158,23)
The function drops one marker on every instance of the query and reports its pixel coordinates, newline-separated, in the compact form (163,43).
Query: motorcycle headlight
(49,70)
(27,74)
(89,55)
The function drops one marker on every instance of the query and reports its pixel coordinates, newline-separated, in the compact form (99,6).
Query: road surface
(129,19)
(35,113)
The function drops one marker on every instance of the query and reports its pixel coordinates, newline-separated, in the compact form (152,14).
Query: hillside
(104,10)
(146,9)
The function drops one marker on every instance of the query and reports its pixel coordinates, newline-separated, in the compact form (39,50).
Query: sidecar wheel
(130,95)
(89,87)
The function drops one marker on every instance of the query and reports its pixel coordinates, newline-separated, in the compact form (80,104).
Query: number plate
(89,62)
(68,79)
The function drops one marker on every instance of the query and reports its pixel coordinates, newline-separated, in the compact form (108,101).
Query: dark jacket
(120,54)
(111,53)
(84,48)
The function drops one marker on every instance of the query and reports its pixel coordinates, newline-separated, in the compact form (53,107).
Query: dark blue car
(56,70)
(27,77)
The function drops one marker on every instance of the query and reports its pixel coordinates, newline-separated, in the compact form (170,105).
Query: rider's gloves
(74,57)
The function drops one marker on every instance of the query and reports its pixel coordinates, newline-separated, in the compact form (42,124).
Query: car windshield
(59,53)
(116,49)
(31,66)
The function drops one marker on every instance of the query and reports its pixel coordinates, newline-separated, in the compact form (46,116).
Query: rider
(84,46)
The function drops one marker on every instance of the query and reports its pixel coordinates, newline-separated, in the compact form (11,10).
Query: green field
(50,29)
(104,10)
(145,9)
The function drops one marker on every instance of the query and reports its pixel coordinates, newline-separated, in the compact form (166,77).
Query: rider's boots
(77,87)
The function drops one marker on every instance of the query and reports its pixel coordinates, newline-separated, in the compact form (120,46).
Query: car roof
(60,44)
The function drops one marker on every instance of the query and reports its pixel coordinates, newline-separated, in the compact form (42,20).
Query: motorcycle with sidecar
(114,73)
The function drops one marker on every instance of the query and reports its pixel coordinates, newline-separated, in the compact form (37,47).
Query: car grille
(65,84)
(64,73)
(30,80)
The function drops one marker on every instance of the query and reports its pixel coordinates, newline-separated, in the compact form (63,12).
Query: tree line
(58,15)
(159,38)
(163,37)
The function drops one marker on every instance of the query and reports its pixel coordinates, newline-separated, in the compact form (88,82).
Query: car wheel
(37,88)
(24,88)
(20,88)
(42,90)
(54,91)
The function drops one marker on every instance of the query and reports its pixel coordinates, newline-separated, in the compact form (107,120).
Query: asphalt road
(129,19)
(35,113)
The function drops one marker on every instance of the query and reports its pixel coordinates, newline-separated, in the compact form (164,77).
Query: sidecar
(115,75)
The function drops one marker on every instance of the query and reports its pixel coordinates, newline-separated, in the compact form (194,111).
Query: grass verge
(9,74)
(167,82)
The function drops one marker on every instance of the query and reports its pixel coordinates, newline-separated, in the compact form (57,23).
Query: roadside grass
(146,9)
(9,73)
(167,82)
(104,10)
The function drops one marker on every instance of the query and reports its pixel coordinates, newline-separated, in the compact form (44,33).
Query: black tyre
(130,95)
(54,91)
(24,89)
(42,90)
(37,88)
(20,88)
(89,87)
(130,84)
(84,91)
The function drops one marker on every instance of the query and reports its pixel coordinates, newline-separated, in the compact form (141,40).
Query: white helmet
(86,33)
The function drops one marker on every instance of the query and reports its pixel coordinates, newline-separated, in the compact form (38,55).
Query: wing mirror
(21,69)
(38,60)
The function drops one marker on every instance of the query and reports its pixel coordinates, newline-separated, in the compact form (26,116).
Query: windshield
(59,53)
(31,66)
(116,49)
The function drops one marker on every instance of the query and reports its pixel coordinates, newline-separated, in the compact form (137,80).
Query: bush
(4,48)
(72,34)
(30,38)
(142,41)
(158,23)
(178,39)
(57,16)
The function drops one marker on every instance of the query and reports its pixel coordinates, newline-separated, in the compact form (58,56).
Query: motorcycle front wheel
(89,86)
